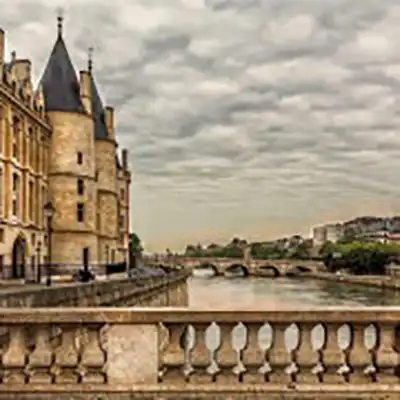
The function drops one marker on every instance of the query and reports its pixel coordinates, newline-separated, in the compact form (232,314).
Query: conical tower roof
(59,81)
(98,114)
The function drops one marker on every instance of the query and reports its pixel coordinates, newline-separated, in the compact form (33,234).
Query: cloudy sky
(255,118)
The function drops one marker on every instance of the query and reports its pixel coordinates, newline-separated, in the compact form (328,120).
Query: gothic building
(64,194)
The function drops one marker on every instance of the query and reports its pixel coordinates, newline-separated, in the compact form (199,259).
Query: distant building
(333,232)
(319,235)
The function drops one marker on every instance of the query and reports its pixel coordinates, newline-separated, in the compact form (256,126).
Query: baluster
(359,356)
(307,356)
(387,358)
(41,359)
(164,337)
(66,357)
(239,369)
(332,354)
(292,370)
(200,356)
(174,356)
(92,357)
(279,357)
(226,355)
(253,356)
(345,369)
(14,358)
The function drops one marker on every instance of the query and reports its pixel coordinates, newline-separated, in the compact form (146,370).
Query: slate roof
(59,81)
(99,122)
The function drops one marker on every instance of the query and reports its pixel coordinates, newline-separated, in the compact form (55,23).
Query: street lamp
(38,264)
(49,213)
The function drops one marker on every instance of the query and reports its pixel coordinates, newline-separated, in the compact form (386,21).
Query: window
(122,194)
(80,186)
(121,221)
(85,256)
(2,235)
(15,196)
(15,207)
(16,128)
(15,182)
(31,200)
(79,157)
(80,212)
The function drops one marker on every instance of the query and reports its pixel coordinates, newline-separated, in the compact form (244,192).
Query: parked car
(83,275)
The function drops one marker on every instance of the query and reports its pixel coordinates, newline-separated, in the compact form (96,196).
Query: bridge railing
(119,350)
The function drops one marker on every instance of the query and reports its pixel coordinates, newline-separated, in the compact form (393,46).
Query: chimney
(125,159)
(86,90)
(21,69)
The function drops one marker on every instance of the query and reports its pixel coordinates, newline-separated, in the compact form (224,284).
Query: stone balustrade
(175,352)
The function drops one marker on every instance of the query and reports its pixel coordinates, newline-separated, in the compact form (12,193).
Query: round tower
(106,174)
(107,194)
(72,172)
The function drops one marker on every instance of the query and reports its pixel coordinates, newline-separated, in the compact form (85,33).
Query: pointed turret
(59,80)
(98,112)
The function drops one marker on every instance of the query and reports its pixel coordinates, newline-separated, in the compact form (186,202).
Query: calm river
(238,293)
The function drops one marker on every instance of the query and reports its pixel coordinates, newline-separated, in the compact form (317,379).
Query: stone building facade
(58,146)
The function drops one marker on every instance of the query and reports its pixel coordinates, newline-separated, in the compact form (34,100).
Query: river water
(209,292)
(238,293)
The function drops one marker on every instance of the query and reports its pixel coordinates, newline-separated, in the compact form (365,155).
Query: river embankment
(386,282)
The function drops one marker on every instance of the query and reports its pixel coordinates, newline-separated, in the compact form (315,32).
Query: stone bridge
(276,268)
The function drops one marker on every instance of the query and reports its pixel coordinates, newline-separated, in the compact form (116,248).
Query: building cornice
(39,120)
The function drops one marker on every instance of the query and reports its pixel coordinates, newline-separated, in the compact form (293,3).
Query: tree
(359,257)
(135,244)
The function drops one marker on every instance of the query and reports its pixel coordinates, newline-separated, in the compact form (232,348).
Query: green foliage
(135,244)
(359,257)
(258,250)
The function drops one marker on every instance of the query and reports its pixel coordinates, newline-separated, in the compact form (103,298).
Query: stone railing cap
(141,315)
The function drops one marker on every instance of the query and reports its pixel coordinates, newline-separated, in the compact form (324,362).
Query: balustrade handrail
(184,315)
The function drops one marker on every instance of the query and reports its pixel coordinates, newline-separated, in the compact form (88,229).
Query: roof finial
(90,59)
(60,19)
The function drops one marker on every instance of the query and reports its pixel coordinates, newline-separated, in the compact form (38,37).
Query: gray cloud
(250,117)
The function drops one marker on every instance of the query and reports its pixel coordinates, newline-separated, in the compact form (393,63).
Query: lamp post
(49,213)
(38,265)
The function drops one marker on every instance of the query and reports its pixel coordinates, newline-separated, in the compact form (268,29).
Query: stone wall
(387,282)
(155,291)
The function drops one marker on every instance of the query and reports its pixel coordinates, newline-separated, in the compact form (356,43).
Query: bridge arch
(270,268)
(207,265)
(237,266)
(298,270)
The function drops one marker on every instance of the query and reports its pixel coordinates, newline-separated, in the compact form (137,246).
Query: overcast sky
(255,118)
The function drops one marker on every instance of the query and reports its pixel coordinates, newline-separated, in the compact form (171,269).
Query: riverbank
(387,282)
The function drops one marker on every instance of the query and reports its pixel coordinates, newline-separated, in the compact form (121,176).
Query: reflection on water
(216,293)
(238,293)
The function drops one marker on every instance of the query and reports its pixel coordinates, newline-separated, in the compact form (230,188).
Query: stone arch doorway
(19,252)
